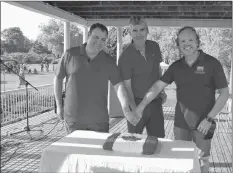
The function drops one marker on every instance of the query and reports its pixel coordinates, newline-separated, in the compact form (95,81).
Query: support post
(66,35)
(85,34)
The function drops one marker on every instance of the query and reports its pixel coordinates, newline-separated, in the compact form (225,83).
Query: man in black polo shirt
(139,64)
(87,70)
(197,76)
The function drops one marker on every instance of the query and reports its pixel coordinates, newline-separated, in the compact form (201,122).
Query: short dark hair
(190,28)
(100,26)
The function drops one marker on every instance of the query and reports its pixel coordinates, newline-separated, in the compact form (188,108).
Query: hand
(163,96)
(139,111)
(60,112)
(131,116)
(204,126)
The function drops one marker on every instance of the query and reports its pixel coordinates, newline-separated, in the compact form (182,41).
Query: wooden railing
(13,103)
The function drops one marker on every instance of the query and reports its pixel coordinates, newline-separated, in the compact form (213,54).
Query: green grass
(11,81)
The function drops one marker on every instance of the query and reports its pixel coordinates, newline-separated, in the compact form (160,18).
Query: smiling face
(139,33)
(188,43)
(96,40)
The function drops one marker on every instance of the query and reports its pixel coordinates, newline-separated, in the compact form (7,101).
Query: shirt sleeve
(60,70)
(114,75)
(168,76)
(219,77)
(125,67)
(159,54)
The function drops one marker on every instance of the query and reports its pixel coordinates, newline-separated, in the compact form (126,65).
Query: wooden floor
(20,153)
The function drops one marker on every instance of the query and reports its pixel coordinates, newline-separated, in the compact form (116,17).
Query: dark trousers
(152,119)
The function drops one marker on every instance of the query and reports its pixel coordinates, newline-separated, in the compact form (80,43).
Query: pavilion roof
(148,9)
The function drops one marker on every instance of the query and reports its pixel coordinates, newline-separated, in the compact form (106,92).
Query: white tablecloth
(81,151)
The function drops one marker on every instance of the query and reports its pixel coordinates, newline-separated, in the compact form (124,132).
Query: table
(81,151)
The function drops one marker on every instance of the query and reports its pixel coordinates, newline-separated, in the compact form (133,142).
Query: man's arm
(58,83)
(220,102)
(58,90)
(130,93)
(125,104)
(163,95)
(153,92)
(160,71)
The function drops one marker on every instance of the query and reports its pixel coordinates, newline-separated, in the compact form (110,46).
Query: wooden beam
(154,9)
(48,10)
(231,87)
(207,23)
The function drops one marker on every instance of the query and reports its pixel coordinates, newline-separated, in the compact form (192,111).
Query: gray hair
(137,20)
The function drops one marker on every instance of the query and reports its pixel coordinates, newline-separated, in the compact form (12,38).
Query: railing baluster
(13,103)
(5,108)
(22,105)
(32,100)
(8,105)
(42,99)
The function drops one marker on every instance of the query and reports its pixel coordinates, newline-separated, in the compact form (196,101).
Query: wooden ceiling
(147,9)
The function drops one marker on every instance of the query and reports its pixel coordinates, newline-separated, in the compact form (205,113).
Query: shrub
(29,58)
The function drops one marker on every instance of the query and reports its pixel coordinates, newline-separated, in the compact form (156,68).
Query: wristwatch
(209,119)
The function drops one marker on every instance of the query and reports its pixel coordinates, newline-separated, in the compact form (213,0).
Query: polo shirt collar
(133,47)
(83,49)
(199,59)
(201,55)
(84,53)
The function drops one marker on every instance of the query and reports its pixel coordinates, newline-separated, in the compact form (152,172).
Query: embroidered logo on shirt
(200,70)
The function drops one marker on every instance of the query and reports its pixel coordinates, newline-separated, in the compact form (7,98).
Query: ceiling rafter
(147,9)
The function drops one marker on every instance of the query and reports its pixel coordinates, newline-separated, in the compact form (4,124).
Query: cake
(131,143)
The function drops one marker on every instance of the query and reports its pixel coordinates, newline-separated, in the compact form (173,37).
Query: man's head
(138,29)
(97,37)
(187,40)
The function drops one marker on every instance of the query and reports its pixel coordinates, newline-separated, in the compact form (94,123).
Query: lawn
(11,81)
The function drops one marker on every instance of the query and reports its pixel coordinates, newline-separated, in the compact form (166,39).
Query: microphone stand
(27,128)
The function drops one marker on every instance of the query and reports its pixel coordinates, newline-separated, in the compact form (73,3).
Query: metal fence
(13,103)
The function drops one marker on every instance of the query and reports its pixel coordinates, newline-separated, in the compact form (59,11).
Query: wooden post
(85,34)
(66,35)
(119,42)
(114,106)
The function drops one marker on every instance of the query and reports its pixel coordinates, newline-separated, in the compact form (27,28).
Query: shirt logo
(200,70)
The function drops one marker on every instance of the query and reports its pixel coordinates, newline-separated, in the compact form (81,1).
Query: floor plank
(20,154)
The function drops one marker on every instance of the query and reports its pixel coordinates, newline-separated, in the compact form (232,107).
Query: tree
(38,48)
(13,39)
(52,36)
(27,44)
(217,42)
(112,42)
(165,36)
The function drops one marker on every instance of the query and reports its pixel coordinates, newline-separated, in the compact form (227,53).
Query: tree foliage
(112,42)
(13,40)
(39,48)
(217,42)
(52,36)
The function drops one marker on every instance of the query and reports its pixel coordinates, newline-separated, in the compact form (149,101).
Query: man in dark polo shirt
(87,70)
(197,76)
(139,64)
